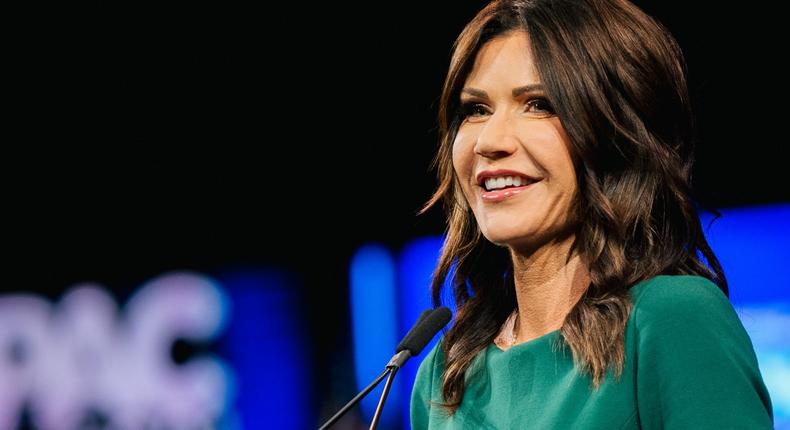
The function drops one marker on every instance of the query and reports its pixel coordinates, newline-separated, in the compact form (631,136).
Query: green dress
(689,364)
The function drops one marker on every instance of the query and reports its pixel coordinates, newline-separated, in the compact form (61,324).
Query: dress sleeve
(423,388)
(696,366)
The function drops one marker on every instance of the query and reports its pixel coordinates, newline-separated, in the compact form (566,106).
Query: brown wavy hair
(616,79)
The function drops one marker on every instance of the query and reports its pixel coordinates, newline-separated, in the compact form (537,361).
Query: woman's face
(511,152)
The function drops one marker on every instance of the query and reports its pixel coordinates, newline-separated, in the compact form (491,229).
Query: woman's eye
(473,110)
(540,106)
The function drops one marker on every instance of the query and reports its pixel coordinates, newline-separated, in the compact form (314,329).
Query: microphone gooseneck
(428,324)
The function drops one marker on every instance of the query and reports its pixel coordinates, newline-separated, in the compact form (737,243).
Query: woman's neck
(547,286)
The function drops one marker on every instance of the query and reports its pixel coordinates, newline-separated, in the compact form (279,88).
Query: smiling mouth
(505,182)
(498,189)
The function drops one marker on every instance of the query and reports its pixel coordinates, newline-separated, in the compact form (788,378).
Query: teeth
(504,181)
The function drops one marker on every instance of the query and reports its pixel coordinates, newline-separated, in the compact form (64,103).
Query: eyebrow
(516,91)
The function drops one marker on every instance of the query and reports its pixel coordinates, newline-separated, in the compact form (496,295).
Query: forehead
(506,61)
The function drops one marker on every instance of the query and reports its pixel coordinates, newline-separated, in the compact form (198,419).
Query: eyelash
(468,108)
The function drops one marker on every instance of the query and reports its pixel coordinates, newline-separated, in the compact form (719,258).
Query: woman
(587,295)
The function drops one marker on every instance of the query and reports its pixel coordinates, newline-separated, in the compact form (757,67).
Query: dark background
(148,138)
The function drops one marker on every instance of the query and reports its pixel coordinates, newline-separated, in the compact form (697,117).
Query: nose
(497,138)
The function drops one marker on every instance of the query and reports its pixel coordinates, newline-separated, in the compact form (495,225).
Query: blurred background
(210,209)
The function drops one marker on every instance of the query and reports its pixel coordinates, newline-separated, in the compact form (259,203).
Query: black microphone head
(422,316)
(424,330)
(413,329)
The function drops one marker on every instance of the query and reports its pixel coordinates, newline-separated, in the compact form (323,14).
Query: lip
(500,195)
(506,193)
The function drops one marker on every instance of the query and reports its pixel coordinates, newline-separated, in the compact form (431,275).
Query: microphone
(428,324)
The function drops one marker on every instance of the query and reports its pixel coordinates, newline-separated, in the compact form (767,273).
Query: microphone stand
(356,400)
(392,367)
(428,324)
(387,385)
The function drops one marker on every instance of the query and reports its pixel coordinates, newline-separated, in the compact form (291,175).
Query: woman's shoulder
(672,294)
(433,362)
(693,356)
(427,386)
(683,305)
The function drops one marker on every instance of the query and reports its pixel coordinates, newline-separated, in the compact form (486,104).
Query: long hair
(616,79)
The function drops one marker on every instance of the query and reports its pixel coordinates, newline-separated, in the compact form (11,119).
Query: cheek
(558,165)
(553,154)
(462,154)
(564,165)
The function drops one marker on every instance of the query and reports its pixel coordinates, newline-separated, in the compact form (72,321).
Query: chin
(505,237)
(523,239)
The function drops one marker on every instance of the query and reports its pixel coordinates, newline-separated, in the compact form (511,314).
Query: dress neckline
(527,344)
